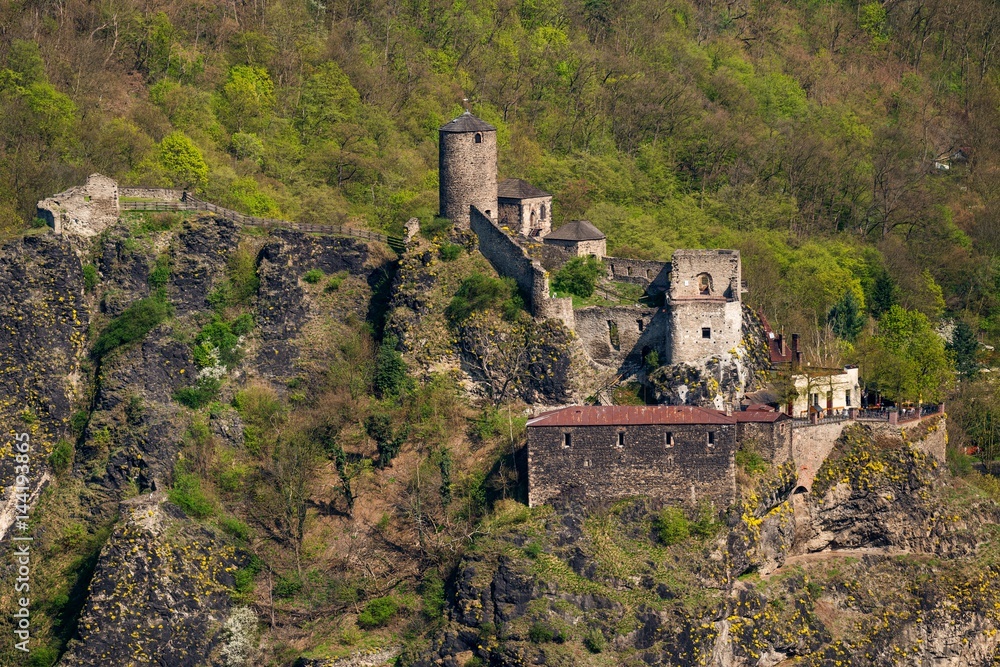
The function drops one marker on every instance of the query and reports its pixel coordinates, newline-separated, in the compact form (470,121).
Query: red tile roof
(760,416)
(630,415)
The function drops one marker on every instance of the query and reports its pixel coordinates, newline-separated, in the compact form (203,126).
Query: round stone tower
(467,163)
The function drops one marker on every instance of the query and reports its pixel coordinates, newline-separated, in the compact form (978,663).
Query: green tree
(845,317)
(578,276)
(390,369)
(964,348)
(247,99)
(906,359)
(884,294)
(328,99)
(182,161)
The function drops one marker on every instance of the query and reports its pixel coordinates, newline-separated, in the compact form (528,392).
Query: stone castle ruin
(690,312)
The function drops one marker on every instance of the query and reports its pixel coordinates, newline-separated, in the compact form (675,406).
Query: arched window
(543,211)
(479,138)
(532,218)
(704,283)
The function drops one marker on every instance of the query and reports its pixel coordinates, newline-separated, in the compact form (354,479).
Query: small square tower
(524,209)
(705,305)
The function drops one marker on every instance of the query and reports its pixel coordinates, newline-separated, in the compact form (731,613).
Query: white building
(825,390)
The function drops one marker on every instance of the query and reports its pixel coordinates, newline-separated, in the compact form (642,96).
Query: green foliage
(884,294)
(672,526)
(905,359)
(433,593)
(182,161)
(90,277)
(751,462)
(160,274)
(450,251)
(78,422)
(872,18)
(217,342)
(198,396)
(313,276)
(388,440)
(445,464)
(242,325)
(43,656)
(247,99)
(138,320)
(236,528)
(964,349)
(336,281)
(390,369)
(846,318)
(578,276)
(594,640)
(478,292)
(541,632)
(435,228)
(288,586)
(187,494)
(328,98)
(377,613)
(61,458)
(652,361)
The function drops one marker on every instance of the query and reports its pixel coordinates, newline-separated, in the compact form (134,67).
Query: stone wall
(594,327)
(510,260)
(689,320)
(653,276)
(596,247)
(157,194)
(528,217)
(811,444)
(84,210)
(721,266)
(772,440)
(594,468)
(468,175)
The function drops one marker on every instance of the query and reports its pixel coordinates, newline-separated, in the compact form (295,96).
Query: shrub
(313,276)
(432,590)
(707,524)
(160,274)
(218,335)
(335,282)
(38,223)
(90,277)
(434,228)
(390,369)
(287,587)
(672,526)
(477,292)
(243,324)
(243,279)
(751,462)
(377,613)
(78,422)
(199,395)
(540,633)
(594,641)
(236,528)
(138,320)
(61,458)
(450,251)
(187,494)
(257,404)
(578,276)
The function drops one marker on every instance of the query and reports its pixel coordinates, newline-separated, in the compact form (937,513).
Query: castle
(679,453)
(701,316)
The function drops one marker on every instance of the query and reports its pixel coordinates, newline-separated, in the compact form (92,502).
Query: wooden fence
(189,203)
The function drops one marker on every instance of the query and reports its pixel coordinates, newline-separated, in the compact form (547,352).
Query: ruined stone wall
(653,276)
(468,175)
(85,210)
(594,468)
(597,248)
(772,440)
(689,319)
(721,266)
(525,216)
(598,327)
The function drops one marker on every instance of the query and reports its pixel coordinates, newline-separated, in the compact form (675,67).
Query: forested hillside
(804,133)
(345,484)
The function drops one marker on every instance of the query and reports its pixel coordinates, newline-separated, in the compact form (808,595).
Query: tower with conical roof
(467,163)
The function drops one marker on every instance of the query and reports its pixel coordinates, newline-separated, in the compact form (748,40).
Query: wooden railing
(190,203)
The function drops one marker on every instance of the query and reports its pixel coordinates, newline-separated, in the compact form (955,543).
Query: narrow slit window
(621,438)
(567,440)
(706,332)
(640,323)
(711,438)
(668,439)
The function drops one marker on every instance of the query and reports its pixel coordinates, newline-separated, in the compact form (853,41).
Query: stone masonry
(597,454)
(84,210)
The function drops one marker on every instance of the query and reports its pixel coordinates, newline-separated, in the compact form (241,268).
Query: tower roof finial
(465,103)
